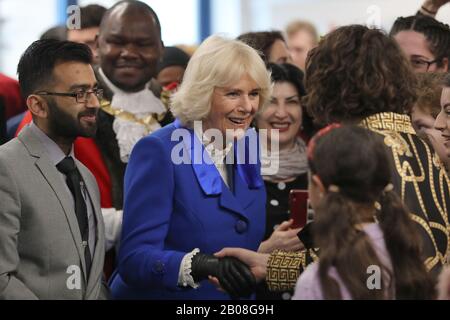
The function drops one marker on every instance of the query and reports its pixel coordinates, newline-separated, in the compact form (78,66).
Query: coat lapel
(246,175)
(205,171)
(209,177)
(230,202)
(242,198)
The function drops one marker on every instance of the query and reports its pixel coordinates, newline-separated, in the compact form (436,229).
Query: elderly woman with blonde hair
(194,187)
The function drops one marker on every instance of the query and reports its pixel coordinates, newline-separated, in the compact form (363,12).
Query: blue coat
(171,209)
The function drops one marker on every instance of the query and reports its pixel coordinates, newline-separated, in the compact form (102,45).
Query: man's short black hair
(57,33)
(35,69)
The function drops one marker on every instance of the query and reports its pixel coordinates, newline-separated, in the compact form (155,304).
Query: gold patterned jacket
(421,181)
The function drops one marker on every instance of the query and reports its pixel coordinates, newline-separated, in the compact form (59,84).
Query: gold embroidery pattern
(444,180)
(147,121)
(430,262)
(389,121)
(284,268)
(432,216)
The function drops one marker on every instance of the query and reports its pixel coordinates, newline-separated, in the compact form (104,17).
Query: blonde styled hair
(218,62)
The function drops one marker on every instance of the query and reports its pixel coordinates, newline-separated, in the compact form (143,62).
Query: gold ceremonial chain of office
(147,121)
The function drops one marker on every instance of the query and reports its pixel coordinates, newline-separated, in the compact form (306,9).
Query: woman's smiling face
(284,113)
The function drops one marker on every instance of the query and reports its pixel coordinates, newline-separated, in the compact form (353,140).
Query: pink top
(308,285)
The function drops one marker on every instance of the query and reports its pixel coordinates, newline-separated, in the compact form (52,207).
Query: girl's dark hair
(356,161)
(287,72)
(436,33)
(356,72)
(262,41)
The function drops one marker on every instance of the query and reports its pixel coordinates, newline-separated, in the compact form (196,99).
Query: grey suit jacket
(41,253)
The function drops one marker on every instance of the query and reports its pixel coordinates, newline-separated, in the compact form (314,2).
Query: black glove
(234,276)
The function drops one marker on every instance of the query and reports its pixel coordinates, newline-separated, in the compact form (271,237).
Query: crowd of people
(131,170)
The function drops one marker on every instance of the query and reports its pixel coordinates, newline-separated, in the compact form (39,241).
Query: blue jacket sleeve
(149,191)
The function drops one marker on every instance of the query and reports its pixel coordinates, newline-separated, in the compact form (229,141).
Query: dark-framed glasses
(422,64)
(80,96)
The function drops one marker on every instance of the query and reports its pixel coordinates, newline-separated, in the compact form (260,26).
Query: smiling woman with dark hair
(286,116)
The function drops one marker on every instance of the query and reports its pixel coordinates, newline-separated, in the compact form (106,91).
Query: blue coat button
(241,226)
(158,267)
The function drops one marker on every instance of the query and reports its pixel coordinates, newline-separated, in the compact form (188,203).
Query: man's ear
(318,182)
(162,49)
(37,106)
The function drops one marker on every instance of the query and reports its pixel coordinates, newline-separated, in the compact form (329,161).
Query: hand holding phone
(298,204)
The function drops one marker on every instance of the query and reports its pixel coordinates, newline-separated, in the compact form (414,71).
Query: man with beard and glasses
(52,238)
(129,47)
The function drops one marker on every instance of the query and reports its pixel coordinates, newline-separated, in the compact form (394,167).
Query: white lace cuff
(184,276)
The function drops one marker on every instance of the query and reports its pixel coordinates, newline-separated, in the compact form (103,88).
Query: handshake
(234,276)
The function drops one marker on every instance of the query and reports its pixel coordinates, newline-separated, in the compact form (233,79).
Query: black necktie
(68,167)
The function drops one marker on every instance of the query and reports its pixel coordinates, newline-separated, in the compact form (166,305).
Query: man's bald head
(130,7)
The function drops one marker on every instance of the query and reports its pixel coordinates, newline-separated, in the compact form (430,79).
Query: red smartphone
(298,204)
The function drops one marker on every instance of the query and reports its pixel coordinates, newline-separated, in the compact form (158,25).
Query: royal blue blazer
(171,209)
